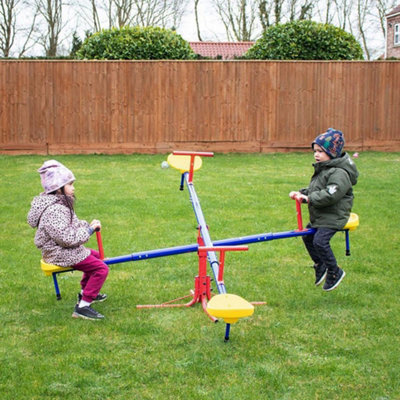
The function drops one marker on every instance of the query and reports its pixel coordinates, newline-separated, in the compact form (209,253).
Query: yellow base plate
(182,163)
(229,307)
(48,269)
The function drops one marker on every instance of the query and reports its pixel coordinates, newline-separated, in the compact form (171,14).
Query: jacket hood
(39,205)
(344,162)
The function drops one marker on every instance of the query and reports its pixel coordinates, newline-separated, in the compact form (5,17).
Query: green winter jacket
(330,192)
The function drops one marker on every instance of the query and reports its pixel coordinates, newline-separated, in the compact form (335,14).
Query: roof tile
(226,50)
(395,10)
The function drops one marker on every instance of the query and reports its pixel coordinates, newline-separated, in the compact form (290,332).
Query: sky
(210,26)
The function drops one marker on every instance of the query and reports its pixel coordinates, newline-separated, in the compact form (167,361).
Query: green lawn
(303,344)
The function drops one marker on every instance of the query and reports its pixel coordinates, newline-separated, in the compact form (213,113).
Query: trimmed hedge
(305,40)
(136,43)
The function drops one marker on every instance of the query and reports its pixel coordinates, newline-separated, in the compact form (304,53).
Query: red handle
(299,217)
(192,155)
(100,244)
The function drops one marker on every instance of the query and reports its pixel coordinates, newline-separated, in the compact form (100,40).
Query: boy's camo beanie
(54,175)
(332,142)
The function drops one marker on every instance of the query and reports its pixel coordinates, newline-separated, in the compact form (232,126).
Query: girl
(60,235)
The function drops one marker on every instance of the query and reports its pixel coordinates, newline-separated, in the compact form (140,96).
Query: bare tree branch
(383,7)
(28,43)
(343,10)
(362,10)
(51,12)
(238,17)
(278,4)
(196,14)
(7,25)
(264,11)
(15,34)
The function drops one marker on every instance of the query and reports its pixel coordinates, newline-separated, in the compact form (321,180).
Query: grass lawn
(303,344)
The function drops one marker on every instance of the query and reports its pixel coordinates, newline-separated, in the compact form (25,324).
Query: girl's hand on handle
(95,225)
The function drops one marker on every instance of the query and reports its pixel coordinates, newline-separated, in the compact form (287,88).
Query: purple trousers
(95,273)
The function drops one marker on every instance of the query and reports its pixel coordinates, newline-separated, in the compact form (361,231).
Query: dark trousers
(319,248)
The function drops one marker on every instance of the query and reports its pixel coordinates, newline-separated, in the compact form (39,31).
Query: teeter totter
(226,306)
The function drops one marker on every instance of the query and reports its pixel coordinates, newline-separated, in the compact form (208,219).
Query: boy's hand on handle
(95,225)
(303,198)
(298,196)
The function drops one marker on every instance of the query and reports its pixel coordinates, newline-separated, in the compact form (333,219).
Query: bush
(135,43)
(305,40)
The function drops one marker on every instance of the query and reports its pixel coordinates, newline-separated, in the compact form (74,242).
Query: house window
(397,35)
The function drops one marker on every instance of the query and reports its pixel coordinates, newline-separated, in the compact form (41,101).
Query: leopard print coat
(60,239)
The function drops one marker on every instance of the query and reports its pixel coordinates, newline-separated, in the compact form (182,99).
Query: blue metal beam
(172,251)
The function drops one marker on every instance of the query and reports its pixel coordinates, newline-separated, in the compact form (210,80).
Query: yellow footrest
(353,222)
(229,307)
(49,269)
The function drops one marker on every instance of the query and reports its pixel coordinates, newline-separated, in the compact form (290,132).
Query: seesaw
(228,307)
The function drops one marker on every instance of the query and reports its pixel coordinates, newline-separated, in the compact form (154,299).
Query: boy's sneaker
(333,279)
(100,297)
(86,313)
(320,273)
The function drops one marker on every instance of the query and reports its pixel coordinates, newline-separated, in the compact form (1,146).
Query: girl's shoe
(86,313)
(333,279)
(320,273)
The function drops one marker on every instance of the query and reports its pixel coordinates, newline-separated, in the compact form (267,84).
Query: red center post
(222,249)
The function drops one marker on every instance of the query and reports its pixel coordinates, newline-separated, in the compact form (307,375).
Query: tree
(119,13)
(362,13)
(305,40)
(90,12)
(343,8)
(51,12)
(7,25)
(76,44)
(10,31)
(270,12)
(136,43)
(238,17)
(300,11)
(383,7)
(196,16)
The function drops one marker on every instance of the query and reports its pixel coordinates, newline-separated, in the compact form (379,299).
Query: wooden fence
(50,107)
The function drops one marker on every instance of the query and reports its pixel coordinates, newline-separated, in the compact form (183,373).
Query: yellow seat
(352,223)
(229,307)
(182,163)
(49,269)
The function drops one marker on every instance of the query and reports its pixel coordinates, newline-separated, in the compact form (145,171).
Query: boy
(330,199)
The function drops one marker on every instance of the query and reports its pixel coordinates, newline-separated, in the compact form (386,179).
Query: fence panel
(51,107)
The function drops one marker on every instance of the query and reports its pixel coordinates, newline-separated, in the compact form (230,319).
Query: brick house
(393,33)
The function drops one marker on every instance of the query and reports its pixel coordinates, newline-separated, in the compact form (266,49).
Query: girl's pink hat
(54,175)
